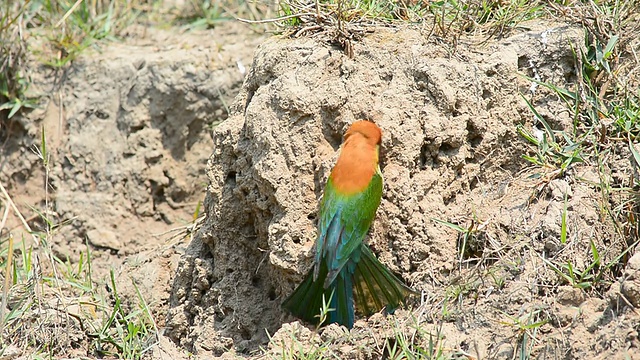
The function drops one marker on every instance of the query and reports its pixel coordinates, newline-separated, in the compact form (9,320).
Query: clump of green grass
(14,82)
(596,275)
(554,150)
(347,11)
(471,240)
(295,348)
(453,19)
(60,309)
(418,342)
(69,27)
(527,328)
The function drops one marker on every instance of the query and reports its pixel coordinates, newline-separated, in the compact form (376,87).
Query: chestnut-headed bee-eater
(345,269)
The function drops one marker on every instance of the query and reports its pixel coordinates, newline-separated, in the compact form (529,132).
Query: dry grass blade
(68,13)
(7,276)
(19,215)
(274,20)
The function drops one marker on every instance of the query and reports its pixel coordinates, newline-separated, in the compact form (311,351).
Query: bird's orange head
(369,130)
(358,160)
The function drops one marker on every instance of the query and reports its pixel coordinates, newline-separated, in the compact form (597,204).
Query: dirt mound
(128,134)
(450,152)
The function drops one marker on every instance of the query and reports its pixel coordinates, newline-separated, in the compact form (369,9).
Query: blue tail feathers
(368,282)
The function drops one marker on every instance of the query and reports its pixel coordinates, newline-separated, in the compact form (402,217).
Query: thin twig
(274,19)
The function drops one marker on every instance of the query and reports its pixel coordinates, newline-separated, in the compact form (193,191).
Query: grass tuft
(54,307)
(604,108)
(69,27)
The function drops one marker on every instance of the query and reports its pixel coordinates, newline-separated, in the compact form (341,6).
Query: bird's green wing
(344,223)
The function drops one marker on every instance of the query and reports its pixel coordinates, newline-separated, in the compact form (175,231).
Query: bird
(345,269)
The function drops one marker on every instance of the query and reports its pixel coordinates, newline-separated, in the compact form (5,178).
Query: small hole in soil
(178,196)
(229,271)
(446,148)
(311,216)
(19,177)
(523,62)
(473,135)
(473,184)
(423,156)
(246,334)
(255,281)
(449,199)
(231,178)
(272,294)
(157,190)
(475,140)
(136,128)
(101,114)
